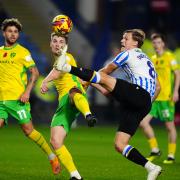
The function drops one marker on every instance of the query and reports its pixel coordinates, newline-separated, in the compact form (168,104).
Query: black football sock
(134,155)
(85,74)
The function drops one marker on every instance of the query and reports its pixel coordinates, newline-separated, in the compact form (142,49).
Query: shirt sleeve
(28,61)
(71,60)
(121,58)
(173,62)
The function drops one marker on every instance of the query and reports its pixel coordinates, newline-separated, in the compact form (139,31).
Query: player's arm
(175,97)
(158,89)
(54,74)
(109,68)
(34,73)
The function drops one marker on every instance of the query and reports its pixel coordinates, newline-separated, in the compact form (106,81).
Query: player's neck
(10,45)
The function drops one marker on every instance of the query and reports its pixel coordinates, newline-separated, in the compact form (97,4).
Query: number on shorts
(22,114)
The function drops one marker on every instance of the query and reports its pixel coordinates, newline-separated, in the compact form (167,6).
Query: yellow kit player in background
(164,106)
(15,91)
(72,100)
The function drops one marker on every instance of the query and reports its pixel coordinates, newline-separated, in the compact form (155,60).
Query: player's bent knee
(55,143)
(27,129)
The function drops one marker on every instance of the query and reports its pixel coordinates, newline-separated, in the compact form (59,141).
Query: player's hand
(61,60)
(175,97)
(44,87)
(25,97)
(85,84)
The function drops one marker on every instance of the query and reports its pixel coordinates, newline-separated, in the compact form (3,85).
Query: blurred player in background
(134,96)
(164,106)
(72,100)
(15,91)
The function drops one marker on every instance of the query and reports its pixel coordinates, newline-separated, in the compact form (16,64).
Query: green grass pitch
(92,150)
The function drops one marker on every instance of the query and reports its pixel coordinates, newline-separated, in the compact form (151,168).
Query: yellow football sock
(81,104)
(171,149)
(153,143)
(39,139)
(66,159)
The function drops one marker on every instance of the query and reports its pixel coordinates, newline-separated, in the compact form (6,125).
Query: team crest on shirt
(13,54)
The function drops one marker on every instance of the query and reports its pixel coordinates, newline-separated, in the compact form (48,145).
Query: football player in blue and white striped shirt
(135,95)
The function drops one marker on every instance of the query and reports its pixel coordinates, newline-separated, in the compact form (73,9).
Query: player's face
(11,34)
(127,41)
(158,45)
(57,43)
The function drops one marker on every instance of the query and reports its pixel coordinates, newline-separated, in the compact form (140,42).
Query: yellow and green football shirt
(67,81)
(14,61)
(165,65)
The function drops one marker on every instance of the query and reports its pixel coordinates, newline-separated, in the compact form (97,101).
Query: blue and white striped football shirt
(139,69)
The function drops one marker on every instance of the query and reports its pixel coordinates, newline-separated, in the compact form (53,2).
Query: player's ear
(3,33)
(135,43)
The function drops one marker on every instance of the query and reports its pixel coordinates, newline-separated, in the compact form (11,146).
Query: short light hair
(60,35)
(137,35)
(11,22)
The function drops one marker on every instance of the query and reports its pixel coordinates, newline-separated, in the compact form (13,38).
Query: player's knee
(55,143)
(119,146)
(143,124)
(27,129)
(1,123)
(170,126)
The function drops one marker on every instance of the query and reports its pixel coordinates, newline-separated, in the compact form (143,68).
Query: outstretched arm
(54,74)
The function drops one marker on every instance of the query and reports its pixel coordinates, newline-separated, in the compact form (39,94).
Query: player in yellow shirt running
(164,106)
(15,88)
(72,100)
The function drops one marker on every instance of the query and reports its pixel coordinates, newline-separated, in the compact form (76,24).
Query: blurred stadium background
(98,26)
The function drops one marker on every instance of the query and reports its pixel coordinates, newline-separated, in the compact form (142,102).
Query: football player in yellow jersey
(164,106)
(72,100)
(15,88)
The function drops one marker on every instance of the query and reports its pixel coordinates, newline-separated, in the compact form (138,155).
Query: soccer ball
(62,24)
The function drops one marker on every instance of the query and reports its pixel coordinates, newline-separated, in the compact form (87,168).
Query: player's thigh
(166,111)
(65,114)
(130,119)
(3,114)
(20,111)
